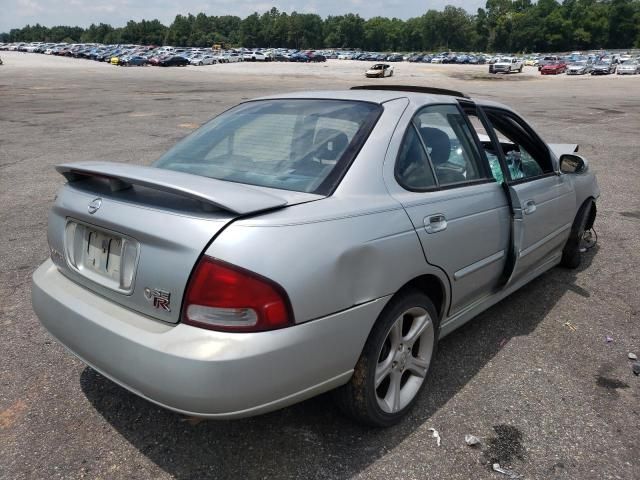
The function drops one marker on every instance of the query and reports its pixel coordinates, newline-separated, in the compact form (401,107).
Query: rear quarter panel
(328,263)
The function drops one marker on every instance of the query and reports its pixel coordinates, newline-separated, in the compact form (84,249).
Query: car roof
(379,96)
(374,96)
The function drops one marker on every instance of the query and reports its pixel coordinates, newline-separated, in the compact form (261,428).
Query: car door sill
(482,304)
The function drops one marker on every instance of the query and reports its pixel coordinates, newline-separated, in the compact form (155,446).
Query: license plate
(101,255)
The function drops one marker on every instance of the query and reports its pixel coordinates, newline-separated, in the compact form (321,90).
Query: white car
(379,70)
(506,65)
(203,60)
(255,57)
(231,57)
(628,67)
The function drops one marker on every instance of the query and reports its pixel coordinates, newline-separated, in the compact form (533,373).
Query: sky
(18,13)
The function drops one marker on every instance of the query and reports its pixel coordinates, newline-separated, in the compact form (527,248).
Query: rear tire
(571,254)
(394,363)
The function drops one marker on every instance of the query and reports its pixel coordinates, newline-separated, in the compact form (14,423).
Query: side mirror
(572,163)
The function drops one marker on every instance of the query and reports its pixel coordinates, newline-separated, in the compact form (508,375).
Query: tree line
(503,25)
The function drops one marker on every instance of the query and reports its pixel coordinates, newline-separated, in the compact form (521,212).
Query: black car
(299,57)
(395,58)
(175,61)
(317,58)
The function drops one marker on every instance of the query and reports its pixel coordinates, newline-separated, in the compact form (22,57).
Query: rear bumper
(201,372)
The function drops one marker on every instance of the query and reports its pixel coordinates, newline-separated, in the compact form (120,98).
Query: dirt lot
(533,377)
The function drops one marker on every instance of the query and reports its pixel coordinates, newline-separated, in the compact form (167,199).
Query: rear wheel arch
(433,287)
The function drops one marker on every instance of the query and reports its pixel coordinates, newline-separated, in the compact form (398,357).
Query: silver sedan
(308,242)
(200,60)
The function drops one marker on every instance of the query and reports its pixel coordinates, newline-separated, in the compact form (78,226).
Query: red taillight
(224,297)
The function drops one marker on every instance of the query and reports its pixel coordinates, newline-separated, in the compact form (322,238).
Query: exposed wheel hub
(402,358)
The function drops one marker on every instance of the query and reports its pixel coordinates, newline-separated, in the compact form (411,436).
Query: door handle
(529,207)
(435,223)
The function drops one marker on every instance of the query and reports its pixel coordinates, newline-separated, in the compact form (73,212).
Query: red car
(554,68)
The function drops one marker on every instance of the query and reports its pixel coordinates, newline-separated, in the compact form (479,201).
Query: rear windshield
(300,145)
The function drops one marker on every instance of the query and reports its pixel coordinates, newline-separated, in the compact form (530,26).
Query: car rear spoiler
(559,149)
(233,197)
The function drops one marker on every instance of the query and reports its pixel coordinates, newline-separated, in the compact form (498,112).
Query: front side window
(526,156)
(485,141)
(300,145)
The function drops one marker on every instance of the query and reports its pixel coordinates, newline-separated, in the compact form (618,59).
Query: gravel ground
(533,377)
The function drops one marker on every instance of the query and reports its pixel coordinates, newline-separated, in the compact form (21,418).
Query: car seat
(440,150)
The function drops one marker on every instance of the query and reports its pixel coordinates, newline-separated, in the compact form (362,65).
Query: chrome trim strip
(463,272)
(539,243)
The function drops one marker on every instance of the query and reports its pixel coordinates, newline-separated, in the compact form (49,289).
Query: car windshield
(377,67)
(300,145)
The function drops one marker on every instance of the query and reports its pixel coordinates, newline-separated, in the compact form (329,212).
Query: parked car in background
(628,67)
(200,60)
(546,60)
(299,57)
(379,70)
(604,67)
(255,57)
(232,57)
(173,61)
(554,68)
(316,57)
(346,55)
(579,67)
(506,65)
(156,59)
(134,60)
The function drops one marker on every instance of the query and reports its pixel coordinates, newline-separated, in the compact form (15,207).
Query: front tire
(571,254)
(394,363)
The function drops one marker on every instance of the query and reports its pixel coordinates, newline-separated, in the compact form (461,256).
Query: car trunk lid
(133,234)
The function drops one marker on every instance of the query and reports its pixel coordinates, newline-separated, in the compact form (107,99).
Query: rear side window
(301,145)
(413,169)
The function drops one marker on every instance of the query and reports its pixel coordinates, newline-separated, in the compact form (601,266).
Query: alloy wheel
(403,360)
